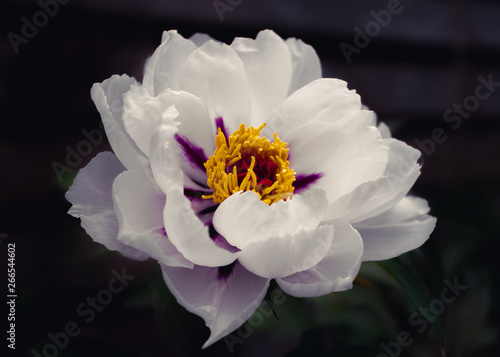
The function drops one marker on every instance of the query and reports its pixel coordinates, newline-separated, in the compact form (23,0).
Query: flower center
(247,162)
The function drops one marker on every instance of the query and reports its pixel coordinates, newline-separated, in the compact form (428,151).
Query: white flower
(195,184)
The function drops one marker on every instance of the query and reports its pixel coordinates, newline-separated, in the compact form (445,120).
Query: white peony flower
(234,165)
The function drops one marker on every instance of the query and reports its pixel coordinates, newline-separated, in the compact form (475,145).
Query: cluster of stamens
(247,162)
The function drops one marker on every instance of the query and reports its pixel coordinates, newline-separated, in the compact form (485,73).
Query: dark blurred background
(423,61)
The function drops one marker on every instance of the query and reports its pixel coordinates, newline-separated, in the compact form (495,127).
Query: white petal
(224,304)
(334,273)
(194,122)
(164,67)
(148,77)
(348,205)
(150,65)
(306,66)
(374,118)
(200,38)
(92,202)
(285,255)
(163,156)
(404,227)
(108,98)
(215,73)
(189,235)
(324,99)
(347,153)
(142,113)
(139,205)
(243,218)
(401,173)
(268,68)
(384,130)
(184,229)
(188,119)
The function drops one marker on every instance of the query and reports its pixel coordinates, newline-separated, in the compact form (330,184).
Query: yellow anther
(230,160)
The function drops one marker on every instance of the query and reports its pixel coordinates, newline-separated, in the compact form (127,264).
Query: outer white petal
(384,130)
(92,202)
(148,77)
(404,227)
(268,69)
(324,100)
(285,255)
(347,153)
(215,73)
(306,66)
(108,98)
(184,229)
(223,304)
(200,38)
(348,205)
(142,113)
(164,67)
(150,65)
(243,218)
(139,205)
(374,120)
(334,273)
(401,173)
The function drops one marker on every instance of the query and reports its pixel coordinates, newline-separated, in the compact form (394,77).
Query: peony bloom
(234,165)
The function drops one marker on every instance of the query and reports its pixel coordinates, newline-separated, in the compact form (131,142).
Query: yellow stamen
(231,157)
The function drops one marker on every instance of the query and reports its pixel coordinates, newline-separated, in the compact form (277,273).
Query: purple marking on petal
(225,272)
(208,210)
(199,184)
(219,123)
(212,232)
(219,240)
(193,153)
(302,182)
(195,194)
